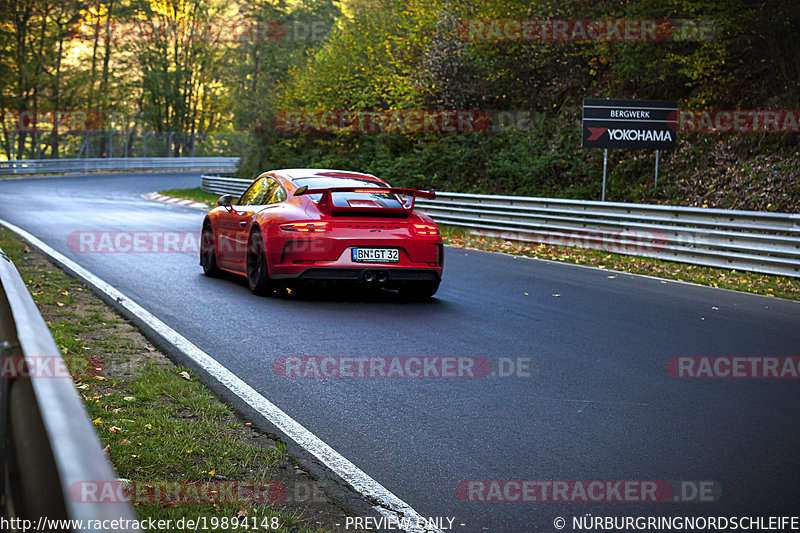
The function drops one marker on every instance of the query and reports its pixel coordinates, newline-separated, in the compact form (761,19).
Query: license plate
(376,255)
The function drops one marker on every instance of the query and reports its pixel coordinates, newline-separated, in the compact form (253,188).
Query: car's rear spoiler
(326,202)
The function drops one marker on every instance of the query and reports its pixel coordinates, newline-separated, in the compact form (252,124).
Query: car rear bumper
(362,274)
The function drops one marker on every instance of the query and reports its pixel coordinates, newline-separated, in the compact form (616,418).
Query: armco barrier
(48,443)
(746,240)
(113,164)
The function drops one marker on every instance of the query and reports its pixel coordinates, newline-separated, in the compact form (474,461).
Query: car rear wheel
(208,252)
(418,290)
(257,270)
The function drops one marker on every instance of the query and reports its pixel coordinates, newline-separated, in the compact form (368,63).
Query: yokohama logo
(640,135)
(631,135)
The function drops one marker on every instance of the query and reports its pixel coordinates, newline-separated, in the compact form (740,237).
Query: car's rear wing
(326,202)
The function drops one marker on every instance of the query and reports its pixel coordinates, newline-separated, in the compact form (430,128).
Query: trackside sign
(629,124)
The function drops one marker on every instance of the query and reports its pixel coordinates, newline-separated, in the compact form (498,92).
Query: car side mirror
(300,191)
(225,200)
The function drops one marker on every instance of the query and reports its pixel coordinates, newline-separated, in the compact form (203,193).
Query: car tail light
(426,229)
(306,227)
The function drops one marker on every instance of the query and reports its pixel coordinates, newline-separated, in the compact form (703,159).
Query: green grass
(196,194)
(162,427)
(778,286)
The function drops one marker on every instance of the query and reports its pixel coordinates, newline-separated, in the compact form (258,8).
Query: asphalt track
(598,404)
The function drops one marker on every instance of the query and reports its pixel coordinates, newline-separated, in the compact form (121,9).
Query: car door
(264,194)
(271,214)
(234,222)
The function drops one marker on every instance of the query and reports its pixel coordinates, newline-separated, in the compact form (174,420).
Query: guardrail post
(7,349)
(605,164)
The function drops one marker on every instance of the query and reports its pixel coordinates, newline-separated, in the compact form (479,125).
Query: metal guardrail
(49,449)
(82,166)
(224,184)
(745,240)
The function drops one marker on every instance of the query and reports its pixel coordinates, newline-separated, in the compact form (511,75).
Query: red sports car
(305,226)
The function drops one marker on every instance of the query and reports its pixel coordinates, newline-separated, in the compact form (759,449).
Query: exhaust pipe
(369,276)
(382,276)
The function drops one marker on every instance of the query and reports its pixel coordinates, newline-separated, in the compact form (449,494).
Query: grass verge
(159,425)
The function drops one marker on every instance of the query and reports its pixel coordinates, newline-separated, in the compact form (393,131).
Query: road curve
(598,403)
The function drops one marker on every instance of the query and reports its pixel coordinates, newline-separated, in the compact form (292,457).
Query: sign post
(655,185)
(629,125)
(605,165)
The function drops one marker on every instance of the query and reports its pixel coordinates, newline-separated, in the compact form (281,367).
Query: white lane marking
(390,505)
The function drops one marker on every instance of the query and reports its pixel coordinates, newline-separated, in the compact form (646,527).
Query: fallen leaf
(556,295)
(107,450)
(59,304)
(115,429)
(125,442)
(185,375)
(242,512)
(211,472)
(248,424)
(150,348)
(148,426)
(98,421)
(99,378)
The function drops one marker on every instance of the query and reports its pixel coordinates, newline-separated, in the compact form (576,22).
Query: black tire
(419,290)
(208,253)
(257,269)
